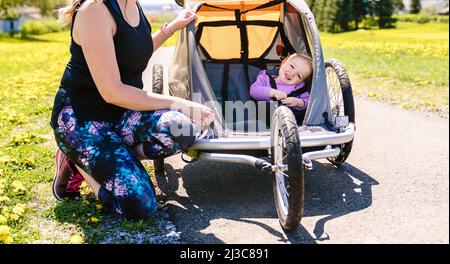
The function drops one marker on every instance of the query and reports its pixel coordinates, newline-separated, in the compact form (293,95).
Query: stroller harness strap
(273,84)
(266,5)
(244,44)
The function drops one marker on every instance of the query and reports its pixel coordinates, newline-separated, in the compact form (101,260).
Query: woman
(103,121)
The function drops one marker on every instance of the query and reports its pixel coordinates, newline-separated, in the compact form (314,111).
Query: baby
(289,87)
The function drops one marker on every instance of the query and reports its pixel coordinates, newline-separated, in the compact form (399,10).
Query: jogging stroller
(216,60)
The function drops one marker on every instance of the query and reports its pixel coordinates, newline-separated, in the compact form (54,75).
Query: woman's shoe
(67,181)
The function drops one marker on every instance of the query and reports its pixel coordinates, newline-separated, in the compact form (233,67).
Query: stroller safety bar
(264,165)
(241,159)
(263,142)
(322,154)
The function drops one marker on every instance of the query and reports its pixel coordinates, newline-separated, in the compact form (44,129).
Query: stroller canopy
(218,28)
(249,31)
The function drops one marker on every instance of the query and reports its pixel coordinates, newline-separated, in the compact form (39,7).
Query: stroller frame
(313,140)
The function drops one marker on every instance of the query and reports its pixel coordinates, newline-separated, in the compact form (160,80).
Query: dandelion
(19,209)
(3,220)
(4,210)
(85,191)
(4,230)
(14,217)
(83,185)
(5,237)
(76,239)
(8,240)
(99,206)
(86,202)
(18,187)
(94,220)
(2,186)
(30,163)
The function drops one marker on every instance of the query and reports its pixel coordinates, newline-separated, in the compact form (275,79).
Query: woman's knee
(182,130)
(134,207)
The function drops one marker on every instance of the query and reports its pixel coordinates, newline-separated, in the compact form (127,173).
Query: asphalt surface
(392,189)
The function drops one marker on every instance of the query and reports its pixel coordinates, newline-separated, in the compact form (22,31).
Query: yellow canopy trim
(223,42)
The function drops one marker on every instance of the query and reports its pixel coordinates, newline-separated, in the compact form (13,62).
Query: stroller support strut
(266,166)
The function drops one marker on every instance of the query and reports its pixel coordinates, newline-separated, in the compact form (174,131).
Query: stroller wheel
(341,100)
(158,79)
(158,88)
(288,181)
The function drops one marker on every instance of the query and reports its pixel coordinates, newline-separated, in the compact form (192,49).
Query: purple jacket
(260,89)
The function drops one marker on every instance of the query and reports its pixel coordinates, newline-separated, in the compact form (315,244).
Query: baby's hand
(279,95)
(293,102)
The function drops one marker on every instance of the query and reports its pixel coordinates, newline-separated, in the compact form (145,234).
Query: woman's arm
(181,21)
(94,27)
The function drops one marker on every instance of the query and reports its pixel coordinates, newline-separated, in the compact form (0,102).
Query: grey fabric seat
(233,87)
(236,87)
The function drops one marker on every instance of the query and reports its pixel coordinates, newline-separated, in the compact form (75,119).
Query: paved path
(393,189)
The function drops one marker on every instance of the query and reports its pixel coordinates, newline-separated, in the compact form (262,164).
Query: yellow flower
(7,240)
(4,235)
(14,217)
(18,187)
(86,202)
(2,186)
(99,206)
(94,220)
(83,185)
(85,190)
(76,239)
(19,209)
(3,199)
(3,220)
(4,210)
(4,230)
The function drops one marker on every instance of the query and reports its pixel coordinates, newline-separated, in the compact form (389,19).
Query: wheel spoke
(282,186)
(335,92)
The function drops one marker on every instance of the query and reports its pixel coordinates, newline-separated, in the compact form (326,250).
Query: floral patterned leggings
(104,151)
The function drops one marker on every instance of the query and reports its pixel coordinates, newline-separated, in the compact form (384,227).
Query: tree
(318,10)
(416,6)
(8,8)
(330,15)
(337,15)
(398,4)
(48,7)
(311,4)
(384,9)
(345,14)
(359,11)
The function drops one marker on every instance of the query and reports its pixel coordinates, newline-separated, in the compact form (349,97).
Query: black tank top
(133,47)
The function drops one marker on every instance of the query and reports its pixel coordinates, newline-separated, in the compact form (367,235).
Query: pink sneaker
(67,181)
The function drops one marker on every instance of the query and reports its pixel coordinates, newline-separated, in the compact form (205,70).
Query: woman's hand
(200,114)
(277,94)
(293,102)
(182,20)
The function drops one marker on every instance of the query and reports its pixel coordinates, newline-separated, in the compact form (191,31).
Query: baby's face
(294,71)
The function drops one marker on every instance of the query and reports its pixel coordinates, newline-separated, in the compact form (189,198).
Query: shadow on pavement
(242,193)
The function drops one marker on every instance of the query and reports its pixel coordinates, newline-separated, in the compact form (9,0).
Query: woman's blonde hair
(66,13)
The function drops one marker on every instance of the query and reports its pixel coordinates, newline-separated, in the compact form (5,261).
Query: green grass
(407,66)
(30,73)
